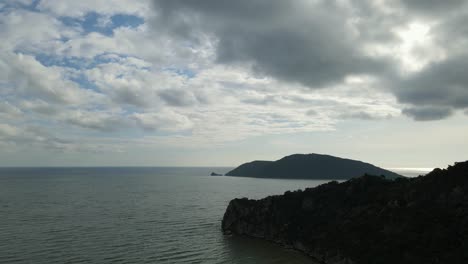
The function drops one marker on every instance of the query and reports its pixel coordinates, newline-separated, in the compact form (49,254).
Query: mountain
(309,166)
(365,220)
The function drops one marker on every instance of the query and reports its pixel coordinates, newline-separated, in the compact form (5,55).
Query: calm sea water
(130,215)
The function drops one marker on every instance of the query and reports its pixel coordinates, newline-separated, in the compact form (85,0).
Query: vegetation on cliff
(366,220)
(309,166)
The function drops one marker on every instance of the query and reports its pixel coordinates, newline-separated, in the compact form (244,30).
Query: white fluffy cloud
(165,120)
(26,77)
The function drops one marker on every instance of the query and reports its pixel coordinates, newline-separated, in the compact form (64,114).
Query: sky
(221,82)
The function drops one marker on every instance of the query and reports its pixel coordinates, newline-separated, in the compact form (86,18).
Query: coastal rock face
(365,220)
(309,166)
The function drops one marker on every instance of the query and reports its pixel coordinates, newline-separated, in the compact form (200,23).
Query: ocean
(130,215)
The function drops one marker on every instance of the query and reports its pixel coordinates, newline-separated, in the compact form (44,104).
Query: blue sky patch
(68,62)
(14,5)
(84,82)
(122,20)
(95,22)
(49,60)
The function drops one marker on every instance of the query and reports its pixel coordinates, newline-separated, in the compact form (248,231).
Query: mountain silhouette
(310,166)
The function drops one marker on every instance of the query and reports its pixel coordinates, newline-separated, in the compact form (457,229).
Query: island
(310,166)
(215,174)
(368,219)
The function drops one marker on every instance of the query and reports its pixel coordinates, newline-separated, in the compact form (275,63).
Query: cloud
(104,122)
(81,8)
(217,71)
(8,110)
(164,120)
(450,35)
(440,87)
(8,130)
(313,44)
(362,115)
(133,82)
(320,44)
(27,77)
(178,97)
(433,7)
(442,84)
(428,113)
(40,107)
(26,138)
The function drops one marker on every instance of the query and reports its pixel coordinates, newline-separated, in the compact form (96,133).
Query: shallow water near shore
(130,215)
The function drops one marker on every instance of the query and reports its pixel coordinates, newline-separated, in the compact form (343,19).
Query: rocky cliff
(365,220)
(309,166)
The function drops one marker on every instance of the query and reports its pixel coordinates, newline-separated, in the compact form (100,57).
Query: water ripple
(106,218)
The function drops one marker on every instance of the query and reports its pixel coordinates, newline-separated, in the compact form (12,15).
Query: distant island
(310,166)
(365,220)
(215,174)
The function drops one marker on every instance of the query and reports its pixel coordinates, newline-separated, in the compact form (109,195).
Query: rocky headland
(309,166)
(369,219)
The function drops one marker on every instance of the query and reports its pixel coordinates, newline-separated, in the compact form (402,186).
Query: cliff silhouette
(365,220)
(309,166)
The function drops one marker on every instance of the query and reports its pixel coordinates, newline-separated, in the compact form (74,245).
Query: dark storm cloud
(452,34)
(428,113)
(294,42)
(432,7)
(319,43)
(441,84)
